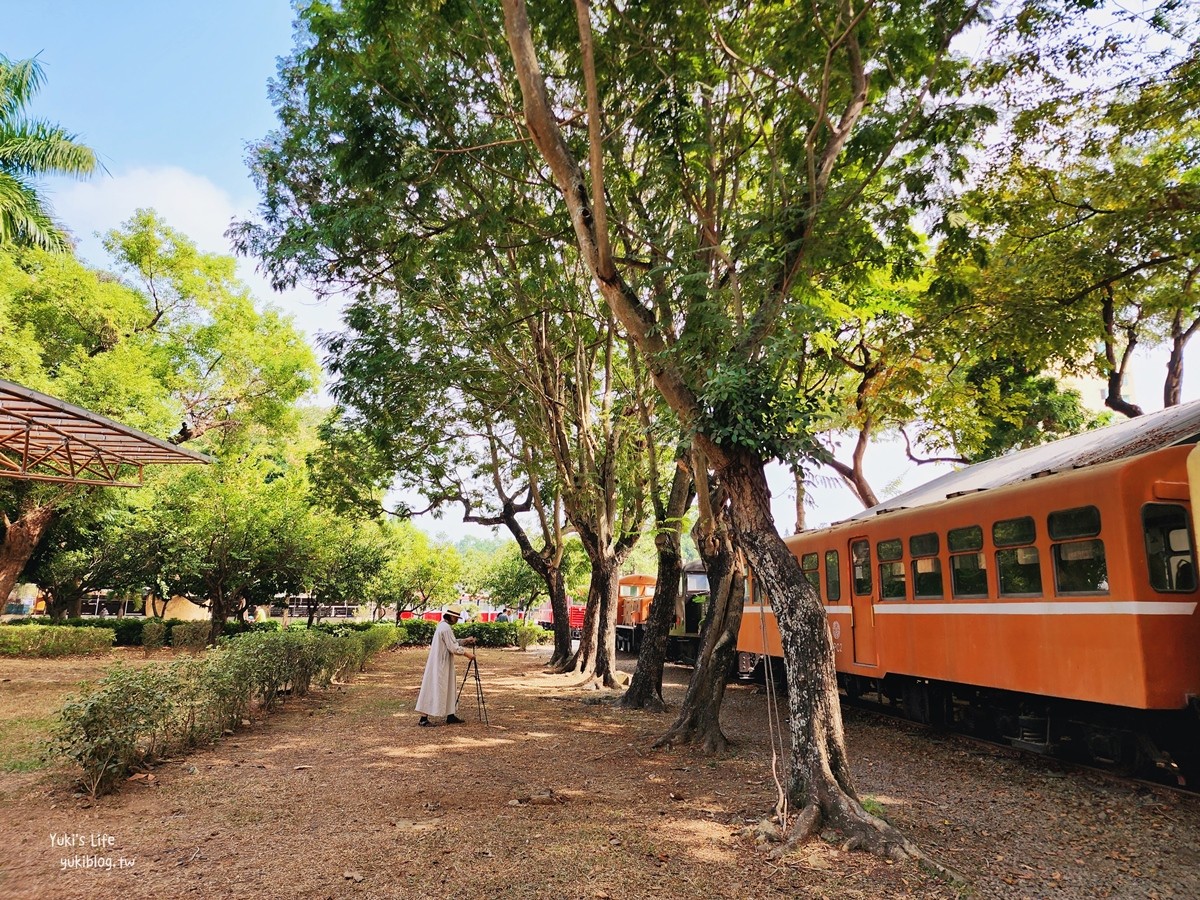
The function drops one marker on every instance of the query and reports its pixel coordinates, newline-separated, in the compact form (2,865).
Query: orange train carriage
(1058,612)
(683,638)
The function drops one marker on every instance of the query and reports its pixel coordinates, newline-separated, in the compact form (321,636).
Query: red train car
(1048,598)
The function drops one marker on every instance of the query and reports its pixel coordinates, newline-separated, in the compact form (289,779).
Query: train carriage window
(924,544)
(833,577)
(891,570)
(809,563)
(1011,532)
(1018,570)
(1083,521)
(860,553)
(889,550)
(968,576)
(1080,568)
(968,573)
(927,578)
(1169,549)
(968,538)
(891,581)
(927,571)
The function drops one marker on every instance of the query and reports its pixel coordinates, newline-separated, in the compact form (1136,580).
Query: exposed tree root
(707,740)
(652,703)
(861,831)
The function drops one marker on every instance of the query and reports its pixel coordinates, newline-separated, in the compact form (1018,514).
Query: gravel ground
(341,795)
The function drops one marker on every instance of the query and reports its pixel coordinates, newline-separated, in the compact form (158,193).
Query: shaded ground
(341,795)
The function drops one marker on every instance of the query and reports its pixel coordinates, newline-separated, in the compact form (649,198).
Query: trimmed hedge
(191,636)
(44,640)
(154,635)
(128,629)
(416,632)
(136,716)
(234,627)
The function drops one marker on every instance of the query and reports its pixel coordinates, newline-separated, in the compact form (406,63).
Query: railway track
(1165,780)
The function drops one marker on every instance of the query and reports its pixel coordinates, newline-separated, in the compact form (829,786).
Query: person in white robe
(437,696)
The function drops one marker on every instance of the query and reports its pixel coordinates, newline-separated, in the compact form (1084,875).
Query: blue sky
(148,83)
(156,83)
(170,93)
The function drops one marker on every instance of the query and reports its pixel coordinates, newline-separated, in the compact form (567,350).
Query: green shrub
(191,636)
(134,716)
(529,634)
(115,726)
(488,634)
(419,631)
(154,635)
(128,629)
(48,640)
(234,627)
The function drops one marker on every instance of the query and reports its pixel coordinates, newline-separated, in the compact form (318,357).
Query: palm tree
(30,148)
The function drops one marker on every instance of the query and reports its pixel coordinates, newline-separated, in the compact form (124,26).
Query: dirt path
(341,795)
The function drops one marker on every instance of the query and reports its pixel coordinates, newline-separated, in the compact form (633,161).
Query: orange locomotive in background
(1056,609)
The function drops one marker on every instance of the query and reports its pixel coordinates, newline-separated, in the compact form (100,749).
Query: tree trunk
(65,605)
(1173,383)
(1117,366)
(819,781)
(699,720)
(551,574)
(561,607)
(21,538)
(645,690)
(583,660)
(218,606)
(801,493)
(597,653)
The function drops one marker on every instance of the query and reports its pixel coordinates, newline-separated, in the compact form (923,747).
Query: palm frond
(24,218)
(19,81)
(36,148)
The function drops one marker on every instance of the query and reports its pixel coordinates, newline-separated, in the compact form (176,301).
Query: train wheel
(919,703)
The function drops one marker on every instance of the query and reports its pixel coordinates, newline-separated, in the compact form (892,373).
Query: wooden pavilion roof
(43,438)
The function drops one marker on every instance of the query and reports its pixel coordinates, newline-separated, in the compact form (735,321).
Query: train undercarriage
(1160,745)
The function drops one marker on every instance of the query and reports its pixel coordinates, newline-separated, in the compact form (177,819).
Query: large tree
(1080,244)
(29,149)
(737,158)
(771,161)
(181,341)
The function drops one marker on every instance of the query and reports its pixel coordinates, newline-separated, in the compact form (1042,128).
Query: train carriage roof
(1133,437)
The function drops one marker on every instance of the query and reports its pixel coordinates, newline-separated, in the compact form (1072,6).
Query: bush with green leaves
(154,635)
(488,634)
(128,629)
(47,640)
(134,716)
(234,627)
(529,634)
(115,726)
(419,631)
(191,636)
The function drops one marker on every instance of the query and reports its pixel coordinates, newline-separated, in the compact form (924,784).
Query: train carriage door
(862,619)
